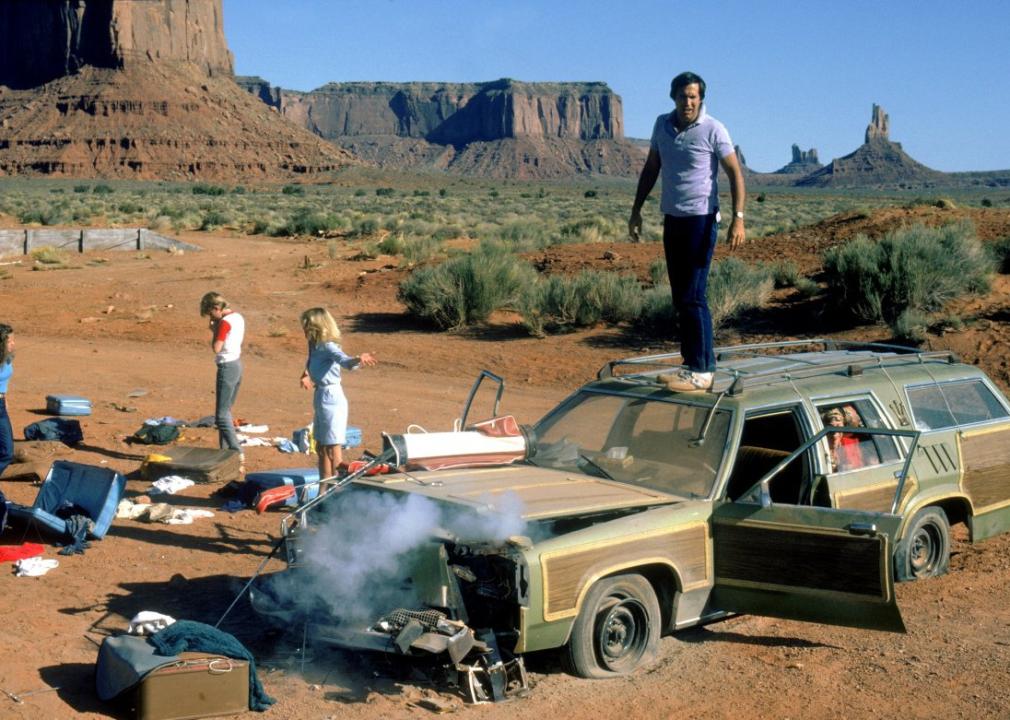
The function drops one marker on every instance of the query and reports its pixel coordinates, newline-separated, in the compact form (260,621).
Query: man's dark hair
(685,79)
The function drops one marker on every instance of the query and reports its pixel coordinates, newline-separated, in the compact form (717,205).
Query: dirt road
(112,324)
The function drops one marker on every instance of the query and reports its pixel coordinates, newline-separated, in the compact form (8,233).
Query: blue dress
(329,405)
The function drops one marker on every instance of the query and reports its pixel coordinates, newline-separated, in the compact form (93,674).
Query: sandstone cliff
(504,128)
(41,40)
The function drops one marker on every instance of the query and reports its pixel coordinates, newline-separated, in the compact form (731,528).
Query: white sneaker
(685,380)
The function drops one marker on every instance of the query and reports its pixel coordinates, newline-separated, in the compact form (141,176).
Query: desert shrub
(559,304)
(807,287)
(986,202)
(360,192)
(309,221)
(213,219)
(593,229)
(589,194)
(161,223)
(367,226)
(82,188)
(911,326)
(385,192)
(735,286)
(915,268)
(102,189)
(131,208)
(48,255)
(465,290)
(999,250)
(292,190)
(785,273)
(205,189)
(443,192)
(413,248)
(525,234)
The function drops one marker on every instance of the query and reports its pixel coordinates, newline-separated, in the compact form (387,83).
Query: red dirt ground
(118,322)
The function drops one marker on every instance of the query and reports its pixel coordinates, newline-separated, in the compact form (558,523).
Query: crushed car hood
(543,493)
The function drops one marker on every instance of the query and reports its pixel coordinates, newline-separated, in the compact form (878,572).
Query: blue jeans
(6,438)
(229,377)
(689,243)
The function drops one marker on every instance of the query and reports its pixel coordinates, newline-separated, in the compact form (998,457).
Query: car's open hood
(542,493)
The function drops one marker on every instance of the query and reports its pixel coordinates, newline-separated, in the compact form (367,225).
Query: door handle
(862,529)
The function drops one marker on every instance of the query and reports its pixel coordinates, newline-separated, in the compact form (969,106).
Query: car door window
(853,451)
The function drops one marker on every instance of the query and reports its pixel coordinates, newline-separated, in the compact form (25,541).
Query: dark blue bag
(63,429)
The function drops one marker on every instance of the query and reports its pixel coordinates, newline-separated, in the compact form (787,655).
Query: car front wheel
(925,550)
(617,629)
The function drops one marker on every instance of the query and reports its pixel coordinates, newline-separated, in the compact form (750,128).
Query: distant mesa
(502,128)
(803,162)
(131,89)
(877,162)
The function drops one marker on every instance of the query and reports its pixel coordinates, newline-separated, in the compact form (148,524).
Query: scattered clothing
(169,485)
(254,429)
(161,434)
(34,567)
(148,622)
(254,441)
(63,429)
(234,506)
(285,445)
(186,635)
(10,553)
(159,512)
(78,527)
(167,420)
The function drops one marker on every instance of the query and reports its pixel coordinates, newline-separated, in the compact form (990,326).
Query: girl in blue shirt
(6,370)
(322,371)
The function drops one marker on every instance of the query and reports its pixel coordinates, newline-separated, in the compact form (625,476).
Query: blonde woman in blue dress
(323,368)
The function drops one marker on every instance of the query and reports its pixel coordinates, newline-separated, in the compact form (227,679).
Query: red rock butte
(138,89)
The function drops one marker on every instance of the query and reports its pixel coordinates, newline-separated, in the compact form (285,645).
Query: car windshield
(646,442)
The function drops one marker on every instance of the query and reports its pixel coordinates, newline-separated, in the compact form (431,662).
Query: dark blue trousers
(689,243)
(6,437)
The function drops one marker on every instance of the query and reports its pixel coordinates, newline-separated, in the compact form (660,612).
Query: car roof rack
(880,354)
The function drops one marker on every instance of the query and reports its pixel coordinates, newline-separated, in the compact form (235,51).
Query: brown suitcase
(197,686)
(199,464)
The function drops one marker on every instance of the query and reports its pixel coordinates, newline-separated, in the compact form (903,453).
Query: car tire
(617,630)
(924,551)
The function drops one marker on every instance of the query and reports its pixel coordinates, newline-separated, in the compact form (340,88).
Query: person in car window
(845,451)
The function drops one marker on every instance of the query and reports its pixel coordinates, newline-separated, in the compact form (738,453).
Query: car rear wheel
(925,550)
(617,629)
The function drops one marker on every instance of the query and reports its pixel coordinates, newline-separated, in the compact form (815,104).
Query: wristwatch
(739,215)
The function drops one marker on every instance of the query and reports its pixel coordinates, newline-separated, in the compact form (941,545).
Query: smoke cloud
(360,552)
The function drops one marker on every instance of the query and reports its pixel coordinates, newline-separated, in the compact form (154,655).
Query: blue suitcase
(68,405)
(257,482)
(95,490)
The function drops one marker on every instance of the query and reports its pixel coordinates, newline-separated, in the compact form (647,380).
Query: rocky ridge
(504,128)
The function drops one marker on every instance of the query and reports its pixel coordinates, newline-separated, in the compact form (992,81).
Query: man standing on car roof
(688,145)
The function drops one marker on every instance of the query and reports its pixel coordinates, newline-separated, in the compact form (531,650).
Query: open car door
(807,563)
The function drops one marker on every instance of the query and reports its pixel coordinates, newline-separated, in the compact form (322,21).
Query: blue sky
(778,73)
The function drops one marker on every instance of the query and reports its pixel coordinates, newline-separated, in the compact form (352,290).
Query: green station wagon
(802,485)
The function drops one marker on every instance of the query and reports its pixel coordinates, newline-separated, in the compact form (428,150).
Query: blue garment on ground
(184,635)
